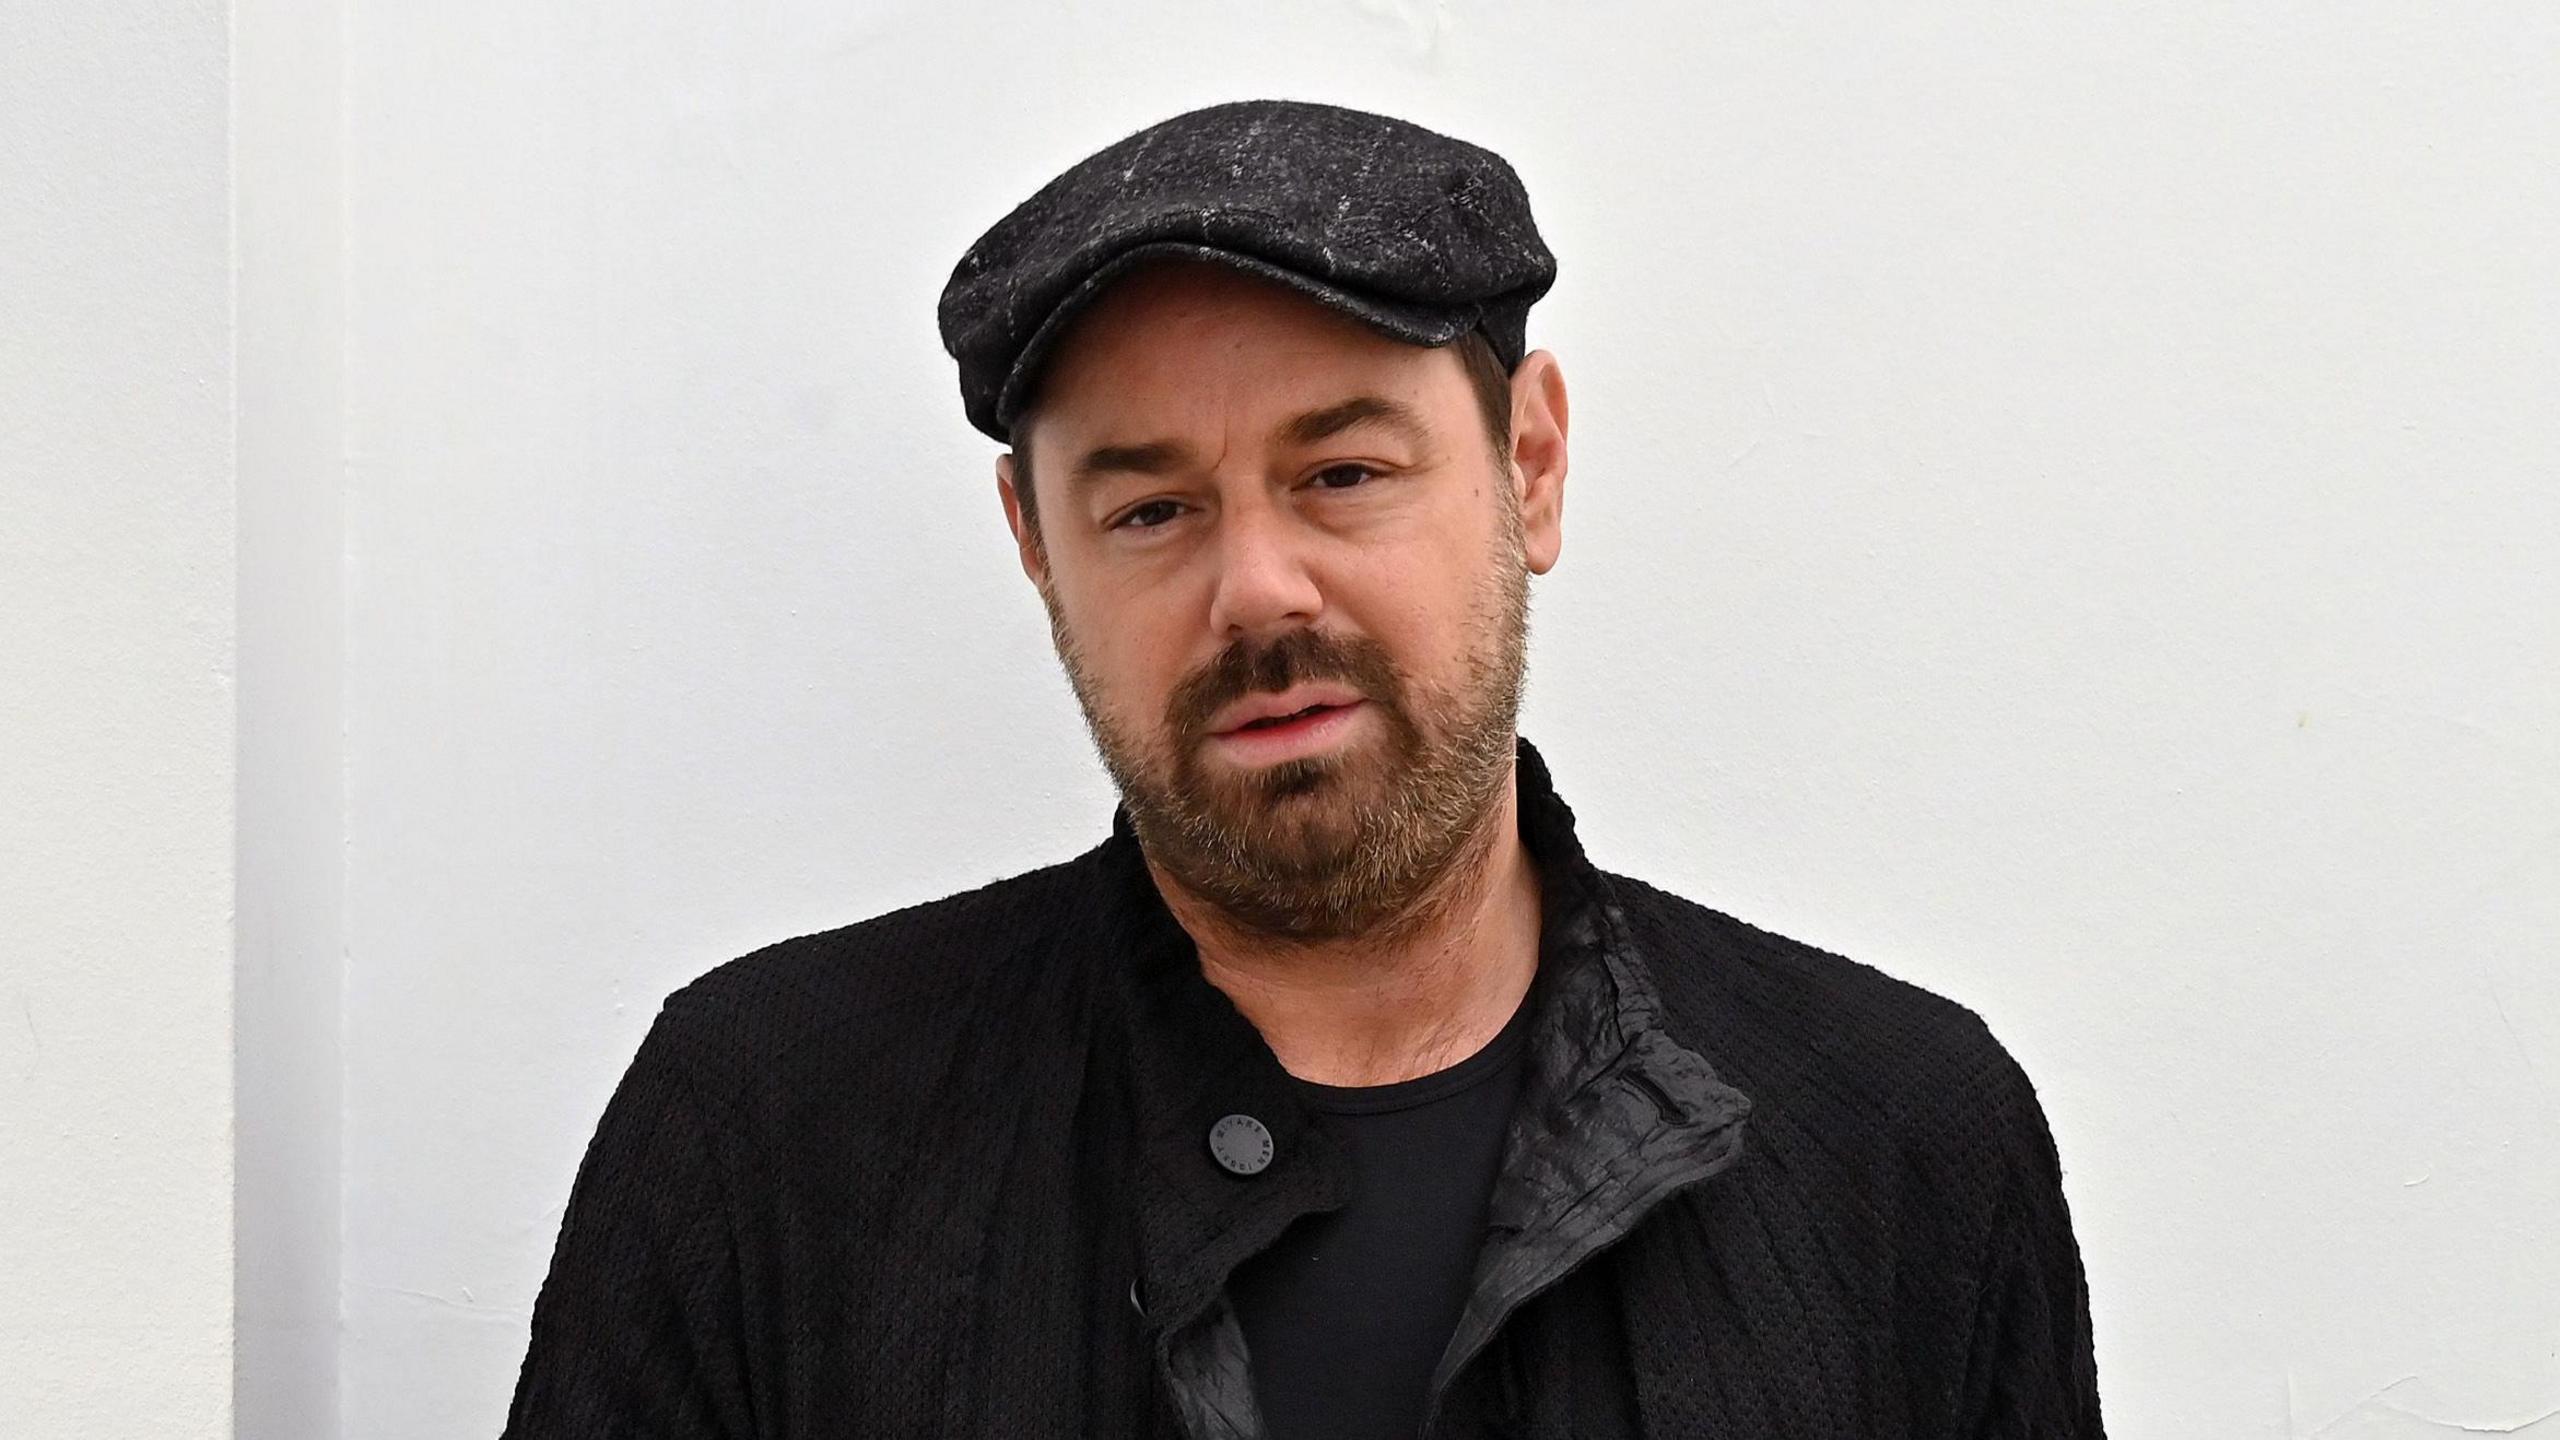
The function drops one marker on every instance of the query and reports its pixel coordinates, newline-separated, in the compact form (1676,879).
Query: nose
(1263,585)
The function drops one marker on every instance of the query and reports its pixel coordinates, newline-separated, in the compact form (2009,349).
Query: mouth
(1281,722)
(1307,730)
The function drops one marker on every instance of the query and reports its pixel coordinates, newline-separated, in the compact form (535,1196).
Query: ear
(1538,419)
(1035,563)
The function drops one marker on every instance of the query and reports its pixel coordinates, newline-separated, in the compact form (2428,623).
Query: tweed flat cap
(1422,236)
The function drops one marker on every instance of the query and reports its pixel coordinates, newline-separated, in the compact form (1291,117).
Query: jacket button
(1240,1145)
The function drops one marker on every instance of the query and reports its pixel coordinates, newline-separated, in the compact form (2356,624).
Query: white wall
(116,721)
(292,858)
(2064,498)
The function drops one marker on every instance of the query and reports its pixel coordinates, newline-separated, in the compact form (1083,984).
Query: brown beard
(1327,847)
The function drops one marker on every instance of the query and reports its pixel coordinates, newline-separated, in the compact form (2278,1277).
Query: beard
(1353,842)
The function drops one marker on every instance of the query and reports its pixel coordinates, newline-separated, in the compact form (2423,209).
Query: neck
(1367,1011)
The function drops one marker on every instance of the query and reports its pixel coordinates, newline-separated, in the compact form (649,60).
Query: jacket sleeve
(2031,1371)
(636,1330)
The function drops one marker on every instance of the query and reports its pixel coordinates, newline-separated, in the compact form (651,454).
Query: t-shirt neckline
(1488,1061)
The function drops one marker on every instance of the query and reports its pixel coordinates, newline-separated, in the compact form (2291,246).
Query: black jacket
(945,1173)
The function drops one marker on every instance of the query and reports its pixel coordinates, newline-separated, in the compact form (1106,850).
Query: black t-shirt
(1345,1316)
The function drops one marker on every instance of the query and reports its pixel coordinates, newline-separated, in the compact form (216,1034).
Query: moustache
(1296,658)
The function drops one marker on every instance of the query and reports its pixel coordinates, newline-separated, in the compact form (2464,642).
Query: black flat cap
(1420,235)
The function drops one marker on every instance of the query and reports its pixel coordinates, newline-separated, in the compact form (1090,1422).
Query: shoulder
(885,991)
(1837,1043)
(1890,1132)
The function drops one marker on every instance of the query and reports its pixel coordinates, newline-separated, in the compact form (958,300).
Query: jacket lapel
(1616,1115)
(1193,1060)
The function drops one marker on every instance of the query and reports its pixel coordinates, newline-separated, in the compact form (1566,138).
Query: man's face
(1249,503)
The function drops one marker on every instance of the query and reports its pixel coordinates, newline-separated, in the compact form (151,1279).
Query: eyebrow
(1150,459)
(1155,457)
(1332,420)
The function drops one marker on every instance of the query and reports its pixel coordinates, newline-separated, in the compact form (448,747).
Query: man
(1337,1093)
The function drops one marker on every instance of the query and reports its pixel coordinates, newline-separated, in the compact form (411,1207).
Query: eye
(1344,476)
(1132,519)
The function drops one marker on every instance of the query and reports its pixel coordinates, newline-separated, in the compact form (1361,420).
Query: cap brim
(1413,324)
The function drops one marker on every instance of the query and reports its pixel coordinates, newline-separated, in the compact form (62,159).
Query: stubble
(1343,844)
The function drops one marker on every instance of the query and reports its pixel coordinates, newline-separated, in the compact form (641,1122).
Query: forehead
(1187,342)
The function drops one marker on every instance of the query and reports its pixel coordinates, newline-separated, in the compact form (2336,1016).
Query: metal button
(1134,1302)
(1241,1145)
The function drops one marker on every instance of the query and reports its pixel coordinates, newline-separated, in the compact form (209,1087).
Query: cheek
(1132,653)
(1417,598)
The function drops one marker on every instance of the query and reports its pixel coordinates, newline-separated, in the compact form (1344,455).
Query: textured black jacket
(945,1173)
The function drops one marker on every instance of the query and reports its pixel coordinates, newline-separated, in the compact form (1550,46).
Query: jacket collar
(1615,1113)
